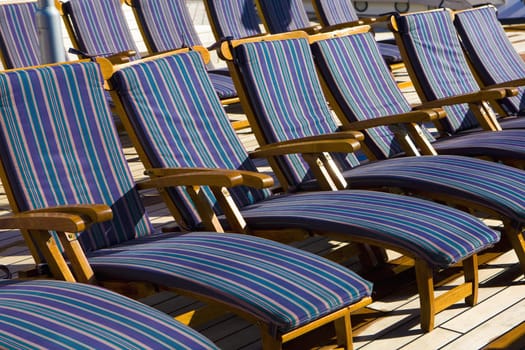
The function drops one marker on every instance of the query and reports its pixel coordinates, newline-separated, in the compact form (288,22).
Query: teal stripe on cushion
(334,12)
(282,286)
(18,35)
(234,18)
(180,121)
(100,26)
(61,315)
(439,63)
(287,98)
(494,57)
(79,160)
(363,85)
(167,24)
(284,16)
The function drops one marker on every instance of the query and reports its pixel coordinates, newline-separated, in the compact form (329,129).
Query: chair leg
(515,237)
(343,331)
(470,268)
(425,286)
(270,343)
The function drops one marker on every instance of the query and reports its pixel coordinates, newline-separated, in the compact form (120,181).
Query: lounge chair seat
(62,315)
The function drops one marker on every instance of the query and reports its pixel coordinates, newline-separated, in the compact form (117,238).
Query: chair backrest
(362,86)
(18,35)
(491,52)
(165,24)
(59,149)
(287,100)
(332,12)
(435,57)
(179,121)
(281,16)
(233,18)
(98,27)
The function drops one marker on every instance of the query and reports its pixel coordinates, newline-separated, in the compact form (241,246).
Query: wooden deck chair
(177,126)
(64,315)
(64,171)
(233,19)
(365,96)
(440,72)
(99,28)
(493,58)
(167,25)
(19,45)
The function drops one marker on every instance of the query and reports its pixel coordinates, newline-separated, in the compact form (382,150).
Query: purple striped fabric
(332,12)
(439,64)
(283,16)
(488,47)
(100,26)
(80,161)
(61,315)
(18,35)
(233,18)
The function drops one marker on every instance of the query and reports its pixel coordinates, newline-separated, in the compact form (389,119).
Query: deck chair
(341,13)
(492,56)
(98,28)
(439,70)
(64,171)
(264,69)
(19,45)
(178,126)
(233,19)
(64,315)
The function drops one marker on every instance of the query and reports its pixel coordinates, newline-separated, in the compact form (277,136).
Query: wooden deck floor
(391,322)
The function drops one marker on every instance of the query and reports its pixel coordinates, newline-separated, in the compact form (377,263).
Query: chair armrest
(361,21)
(508,84)
(483,95)
(306,147)
(205,178)
(248,178)
(95,212)
(61,222)
(416,116)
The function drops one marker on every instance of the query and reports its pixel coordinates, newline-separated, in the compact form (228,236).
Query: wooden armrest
(340,135)
(95,212)
(213,178)
(121,57)
(480,96)
(249,178)
(415,116)
(511,83)
(61,222)
(306,147)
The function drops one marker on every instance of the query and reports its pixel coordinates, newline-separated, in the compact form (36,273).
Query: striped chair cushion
(100,26)
(439,63)
(286,94)
(61,315)
(180,121)
(363,86)
(492,54)
(79,160)
(332,12)
(167,24)
(284,16)
(18,35)
(422,229)
(281,286)
(233,18)
(489,184)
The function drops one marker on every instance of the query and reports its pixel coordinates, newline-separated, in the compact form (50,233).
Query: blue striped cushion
(439,63)
(332,12)
(223,85)
(79,160)
(435,233)
(61,315)
(281,286)
(18,35)
(363,86)
(180,121)
(284,16)
(489,184)
(233,18)
(167,24)
(493,56)
(100,26)
(287,98)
